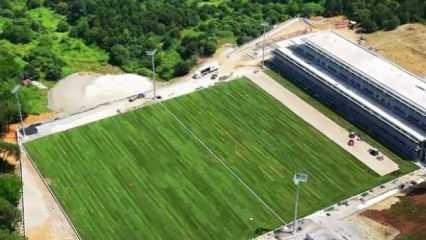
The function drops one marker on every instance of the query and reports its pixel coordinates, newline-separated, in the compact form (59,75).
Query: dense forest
(187,29)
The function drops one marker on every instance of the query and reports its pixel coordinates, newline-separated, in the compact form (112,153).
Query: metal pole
(153,75)
(296,206)
(152,54)
(263,44)
(20,114)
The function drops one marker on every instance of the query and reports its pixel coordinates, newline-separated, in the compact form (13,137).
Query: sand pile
(81,91)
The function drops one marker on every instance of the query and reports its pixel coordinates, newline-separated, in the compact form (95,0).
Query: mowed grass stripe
(141,176)
(265,144)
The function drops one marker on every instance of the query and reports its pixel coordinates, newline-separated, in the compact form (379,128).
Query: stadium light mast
(297,179)
(15,91)
(264,25)
(152,54)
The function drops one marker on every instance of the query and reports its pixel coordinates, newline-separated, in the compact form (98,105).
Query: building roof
(350,92)
(406,86)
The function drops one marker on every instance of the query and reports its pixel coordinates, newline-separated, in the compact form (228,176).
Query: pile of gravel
(81,91)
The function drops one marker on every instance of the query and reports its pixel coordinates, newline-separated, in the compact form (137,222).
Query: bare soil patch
(372,230)
(338,24)
(405,45)
(10,135)
(408,215)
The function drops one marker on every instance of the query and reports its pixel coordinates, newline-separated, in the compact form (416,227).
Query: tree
(44,60)
(81,29)
(334,7)
(312,9)
(208,47)
(35,26)
(392,23)
(34,3)
(17,32)
(294,7)
(119,54)
(30,72)
(10,188)
(7,235)
(9,215)
(63,26)
(54,72)
(62,8)
(9,67)
(182,68)
(7,13)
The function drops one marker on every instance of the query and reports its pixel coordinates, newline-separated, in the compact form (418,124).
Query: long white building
(373,93)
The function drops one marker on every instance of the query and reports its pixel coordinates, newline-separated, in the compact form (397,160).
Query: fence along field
(142,175)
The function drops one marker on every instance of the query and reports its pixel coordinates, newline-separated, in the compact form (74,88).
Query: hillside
(35,44)
(405,45)
(183,31)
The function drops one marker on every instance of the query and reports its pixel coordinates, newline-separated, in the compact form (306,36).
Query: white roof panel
(405,85)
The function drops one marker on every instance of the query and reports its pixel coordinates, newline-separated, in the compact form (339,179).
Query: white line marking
(225,166)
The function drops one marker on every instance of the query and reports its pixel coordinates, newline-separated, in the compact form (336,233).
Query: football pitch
(215,164)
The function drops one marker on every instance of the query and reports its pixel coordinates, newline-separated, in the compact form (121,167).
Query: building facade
(383,99)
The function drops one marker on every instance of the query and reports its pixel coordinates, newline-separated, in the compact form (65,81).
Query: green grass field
(141,175)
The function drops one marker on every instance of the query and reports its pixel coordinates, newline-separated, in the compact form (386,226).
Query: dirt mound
(81,91)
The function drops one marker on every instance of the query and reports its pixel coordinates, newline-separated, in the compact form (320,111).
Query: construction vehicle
(205,70)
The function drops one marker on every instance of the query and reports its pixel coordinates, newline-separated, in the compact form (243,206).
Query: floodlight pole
(15,91)
(152,54)
(298,179)
(296,207)
(264,25)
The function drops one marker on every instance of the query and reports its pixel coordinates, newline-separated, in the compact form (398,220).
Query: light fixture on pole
(264,25)
(15,91)
(152,54)
(297,179)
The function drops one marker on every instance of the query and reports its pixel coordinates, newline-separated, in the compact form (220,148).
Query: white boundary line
(230,171)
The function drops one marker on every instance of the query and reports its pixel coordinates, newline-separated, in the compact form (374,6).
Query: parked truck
(206,69)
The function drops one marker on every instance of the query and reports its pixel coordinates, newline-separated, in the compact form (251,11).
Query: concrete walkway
(44,219)
(335,221)
(319,121)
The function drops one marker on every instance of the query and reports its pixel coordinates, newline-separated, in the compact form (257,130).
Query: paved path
(43,217)
(334,221)
(318,120)
(114,108)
